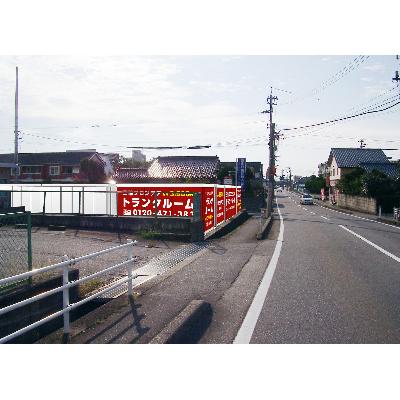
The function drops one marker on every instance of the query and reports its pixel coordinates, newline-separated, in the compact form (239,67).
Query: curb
(265,228)
(228,226)
(188,326)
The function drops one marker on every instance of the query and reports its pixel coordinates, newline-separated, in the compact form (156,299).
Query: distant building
(323,169)
(54,167)
(138,156)
(171,169)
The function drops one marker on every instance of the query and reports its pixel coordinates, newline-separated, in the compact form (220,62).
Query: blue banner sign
(241,171)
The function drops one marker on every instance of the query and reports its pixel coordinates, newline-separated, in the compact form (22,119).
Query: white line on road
(372,244)
(357,216)
(249,323)
(324,217)
(312,212)
(305,209)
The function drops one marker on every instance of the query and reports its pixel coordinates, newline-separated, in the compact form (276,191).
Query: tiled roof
(353,157)
(389,169)
(60,158)
(128,174)
(184,167)
(172,168)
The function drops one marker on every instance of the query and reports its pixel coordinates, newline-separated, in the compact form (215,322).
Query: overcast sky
(108,103)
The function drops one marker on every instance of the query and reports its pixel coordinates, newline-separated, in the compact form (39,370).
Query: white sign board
(228,181)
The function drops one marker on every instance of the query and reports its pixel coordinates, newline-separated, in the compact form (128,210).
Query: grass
(89,287)
(150,234)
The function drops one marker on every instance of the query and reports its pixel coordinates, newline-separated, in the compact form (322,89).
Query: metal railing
(67,307)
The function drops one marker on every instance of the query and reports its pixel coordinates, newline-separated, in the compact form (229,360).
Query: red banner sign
(177,201)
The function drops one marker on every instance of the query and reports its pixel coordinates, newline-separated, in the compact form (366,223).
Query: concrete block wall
(357,203)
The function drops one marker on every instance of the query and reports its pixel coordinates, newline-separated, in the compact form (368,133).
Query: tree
(384,189)
(93,170)
(224,171)
(314,184)
(352,183)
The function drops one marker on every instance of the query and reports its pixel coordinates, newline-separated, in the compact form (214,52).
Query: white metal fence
(64,199)
(67,307)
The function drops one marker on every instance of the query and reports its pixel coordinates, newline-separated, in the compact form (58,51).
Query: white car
(306,199)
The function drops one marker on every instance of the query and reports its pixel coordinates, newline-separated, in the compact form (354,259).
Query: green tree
(314,184)
(384,189)
(352,183)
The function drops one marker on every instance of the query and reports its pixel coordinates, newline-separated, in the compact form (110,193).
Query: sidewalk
(225,274)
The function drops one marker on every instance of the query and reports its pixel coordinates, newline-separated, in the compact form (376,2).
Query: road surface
(333,278)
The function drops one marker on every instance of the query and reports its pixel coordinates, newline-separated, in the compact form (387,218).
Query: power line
(355,63)
(341,119)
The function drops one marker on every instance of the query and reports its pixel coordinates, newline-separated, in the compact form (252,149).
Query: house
(341,161)
(52,167)
(171,169)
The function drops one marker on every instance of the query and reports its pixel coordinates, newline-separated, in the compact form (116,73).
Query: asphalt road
(336,280)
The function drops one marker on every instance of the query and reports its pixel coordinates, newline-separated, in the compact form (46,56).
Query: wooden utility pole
(271,145)
(16,133)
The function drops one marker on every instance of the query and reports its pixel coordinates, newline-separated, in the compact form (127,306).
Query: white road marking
(298,205)
(312,212)
(305,209)
(372,244)
(249,323)
(324,217)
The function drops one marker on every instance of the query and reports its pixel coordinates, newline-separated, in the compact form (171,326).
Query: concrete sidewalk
(225,274)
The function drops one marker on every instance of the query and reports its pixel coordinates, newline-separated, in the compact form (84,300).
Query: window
(333,171)
(67,170)
(75,170)
(54,170)
(31,169)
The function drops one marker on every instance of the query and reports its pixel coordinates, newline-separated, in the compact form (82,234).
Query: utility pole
(396,74)
(362,143)
(16,133)
(290,178)
(271,170)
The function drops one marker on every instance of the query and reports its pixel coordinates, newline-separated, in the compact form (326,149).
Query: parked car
(279,189)
(306,199)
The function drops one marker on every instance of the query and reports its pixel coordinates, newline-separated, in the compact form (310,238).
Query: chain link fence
(15,244)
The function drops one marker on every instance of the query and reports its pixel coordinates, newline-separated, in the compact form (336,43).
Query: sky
(110,102)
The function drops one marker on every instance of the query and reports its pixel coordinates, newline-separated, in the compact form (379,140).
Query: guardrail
(67,307)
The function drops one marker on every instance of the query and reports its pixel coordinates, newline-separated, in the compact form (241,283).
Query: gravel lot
(48,247)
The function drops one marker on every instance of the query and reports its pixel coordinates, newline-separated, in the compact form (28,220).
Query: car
(306,199)
(279,190)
